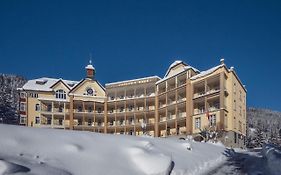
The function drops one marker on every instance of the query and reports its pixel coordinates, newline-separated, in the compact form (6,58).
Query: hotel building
(184,102)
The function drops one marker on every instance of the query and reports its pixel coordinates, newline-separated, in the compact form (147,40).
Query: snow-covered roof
(184,69)
(89,66)
(177,62)
(45,84)
(133,80)
(206,72)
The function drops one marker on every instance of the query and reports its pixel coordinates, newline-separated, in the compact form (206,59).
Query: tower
(90,70)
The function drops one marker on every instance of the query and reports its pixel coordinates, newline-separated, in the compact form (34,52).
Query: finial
(90,61)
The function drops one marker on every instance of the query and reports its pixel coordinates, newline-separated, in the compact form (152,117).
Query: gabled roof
(82,81)
(177,62)
(60,80)
(45,84)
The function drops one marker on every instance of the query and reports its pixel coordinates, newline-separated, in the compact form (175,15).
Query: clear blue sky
(131,39)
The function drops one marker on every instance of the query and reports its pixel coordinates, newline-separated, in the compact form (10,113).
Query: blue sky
(131,39)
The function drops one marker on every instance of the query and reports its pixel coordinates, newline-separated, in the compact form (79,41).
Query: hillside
(9,97)
(264,125)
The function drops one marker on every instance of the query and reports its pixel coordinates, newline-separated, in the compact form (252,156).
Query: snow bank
(273,158)
(49,151)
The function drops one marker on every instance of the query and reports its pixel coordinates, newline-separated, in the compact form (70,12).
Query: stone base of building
(233,139)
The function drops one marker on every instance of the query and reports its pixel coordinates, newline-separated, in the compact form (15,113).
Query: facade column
(105,115)
(71,122)
(52,121)
(189,107)
(83,116)
(156,128)
(64,111)
(222,100)
(176,106)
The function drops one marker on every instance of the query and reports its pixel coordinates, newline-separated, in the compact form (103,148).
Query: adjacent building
(184,102)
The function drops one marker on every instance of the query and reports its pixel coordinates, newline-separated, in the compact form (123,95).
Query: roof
(132,80)
(89,66)
(206,72)
(45,84)
(81,82)
(184,69)
(177,62)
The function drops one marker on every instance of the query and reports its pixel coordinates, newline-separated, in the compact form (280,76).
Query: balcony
(182,114)
(199,111)
(171,117)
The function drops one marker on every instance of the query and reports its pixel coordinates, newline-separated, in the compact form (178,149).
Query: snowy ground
(261,161)
(48,151)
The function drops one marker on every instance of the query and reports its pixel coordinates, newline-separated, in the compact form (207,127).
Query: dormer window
(60,94)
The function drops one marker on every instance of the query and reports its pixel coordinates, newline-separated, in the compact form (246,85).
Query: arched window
(60,94)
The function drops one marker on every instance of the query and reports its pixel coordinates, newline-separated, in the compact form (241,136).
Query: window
(61,108)
(60,121)
(22,106)
(90,109)
(79,109)
(49,121)
(60,94)
(121,109)
(212,120)
(197,123)
(22,95)
(90,91)
(33,95)
(49,108)
(37,120)
(22,120)
(89,122)
(37,107)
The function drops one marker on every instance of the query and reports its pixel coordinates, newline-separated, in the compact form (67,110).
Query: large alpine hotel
(184,102)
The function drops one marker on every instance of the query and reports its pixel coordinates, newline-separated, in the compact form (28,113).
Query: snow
(206,72)
(51,151)
(32,85)
(133,80)
(179,62)
(273,158)
(89,66)
(177,73)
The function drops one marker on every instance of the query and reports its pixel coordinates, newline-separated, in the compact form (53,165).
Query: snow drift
(48,151)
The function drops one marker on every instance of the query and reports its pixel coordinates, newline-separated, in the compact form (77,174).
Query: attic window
(41,81)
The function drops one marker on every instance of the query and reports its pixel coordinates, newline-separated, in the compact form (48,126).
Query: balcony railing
(130,97)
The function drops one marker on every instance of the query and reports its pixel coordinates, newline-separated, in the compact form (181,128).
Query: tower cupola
(90,70)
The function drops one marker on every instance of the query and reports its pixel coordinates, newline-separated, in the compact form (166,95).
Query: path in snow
(242,163)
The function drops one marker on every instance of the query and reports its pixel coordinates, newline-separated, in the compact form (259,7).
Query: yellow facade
(184,102)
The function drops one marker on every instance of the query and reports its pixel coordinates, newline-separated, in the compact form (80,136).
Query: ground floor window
(22,120)
(22,106)
(49,121)
(37,120)
(213,120)
(197,123)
